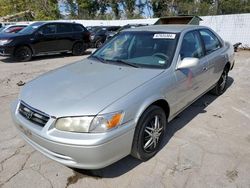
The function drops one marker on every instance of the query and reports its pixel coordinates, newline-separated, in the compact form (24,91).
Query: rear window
(77,27)
(64,28)
(211,42)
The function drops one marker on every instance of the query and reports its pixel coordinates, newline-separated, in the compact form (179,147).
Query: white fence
(233,28)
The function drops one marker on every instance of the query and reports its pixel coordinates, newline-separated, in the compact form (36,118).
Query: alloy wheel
(152,134)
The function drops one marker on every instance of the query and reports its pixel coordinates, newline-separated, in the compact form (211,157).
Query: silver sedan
(119,100)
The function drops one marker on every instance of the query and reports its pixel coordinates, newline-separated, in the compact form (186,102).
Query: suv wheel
(98,43)
(149,133)
(23,53)
(78,49)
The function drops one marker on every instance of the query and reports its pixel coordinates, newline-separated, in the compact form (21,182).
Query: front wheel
(149,133)
(23,54)
(78,49)
(221,85)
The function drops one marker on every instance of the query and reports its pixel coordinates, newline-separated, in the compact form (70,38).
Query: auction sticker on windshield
(164,36)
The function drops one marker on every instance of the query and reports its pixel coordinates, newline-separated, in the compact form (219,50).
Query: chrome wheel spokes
(152,134)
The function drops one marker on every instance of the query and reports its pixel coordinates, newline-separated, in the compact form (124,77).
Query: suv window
(211,42)
(49,29)
(191,46)
(77,27)
(64,28)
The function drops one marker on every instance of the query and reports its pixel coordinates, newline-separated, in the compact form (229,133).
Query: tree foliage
(118,9)
(42,9)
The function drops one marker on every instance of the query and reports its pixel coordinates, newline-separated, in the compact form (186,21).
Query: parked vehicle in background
(98,36)
(42,38)
(149,75)
(93,28)
(12,28)
(111,34)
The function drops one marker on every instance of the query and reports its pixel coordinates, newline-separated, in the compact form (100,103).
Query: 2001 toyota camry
(119,100)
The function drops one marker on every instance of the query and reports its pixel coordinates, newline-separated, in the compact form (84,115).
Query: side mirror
(188,62)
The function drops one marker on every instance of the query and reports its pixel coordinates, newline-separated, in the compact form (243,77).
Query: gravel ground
(207,145)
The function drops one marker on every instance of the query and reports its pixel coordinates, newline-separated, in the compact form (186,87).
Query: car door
(192,81)
(64,36)
(46,39)
(214,54)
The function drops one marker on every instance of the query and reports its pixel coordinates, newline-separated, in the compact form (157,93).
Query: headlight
(106,122)
(74,124)
(6,41)
(92,37)
(101,123)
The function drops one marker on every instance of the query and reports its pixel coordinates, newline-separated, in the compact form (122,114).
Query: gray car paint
(89,88)
(72,90)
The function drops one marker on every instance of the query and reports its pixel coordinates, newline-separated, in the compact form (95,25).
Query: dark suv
(42,38)
(98,36)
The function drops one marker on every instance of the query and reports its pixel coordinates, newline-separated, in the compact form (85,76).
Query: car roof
(165,28)
(49,22)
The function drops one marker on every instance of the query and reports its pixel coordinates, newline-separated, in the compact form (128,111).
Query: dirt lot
(208,145)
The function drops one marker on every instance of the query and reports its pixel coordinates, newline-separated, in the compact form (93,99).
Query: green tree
(160,7)
(233,6)
(129,7)
(42,9)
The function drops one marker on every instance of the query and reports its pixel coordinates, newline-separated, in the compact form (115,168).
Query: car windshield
(31,28)
(140,49)
(2,28)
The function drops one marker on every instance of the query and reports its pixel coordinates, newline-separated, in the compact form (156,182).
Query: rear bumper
(91,156)
(6,51)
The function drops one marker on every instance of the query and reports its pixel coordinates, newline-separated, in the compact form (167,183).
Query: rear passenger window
(191,46)
(49,29)
(211,42)
(64,28)
(77,27)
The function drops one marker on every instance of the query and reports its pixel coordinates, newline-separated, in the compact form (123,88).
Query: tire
(142,148)
(23,54)
(78,49)
(221,85)
(98,43)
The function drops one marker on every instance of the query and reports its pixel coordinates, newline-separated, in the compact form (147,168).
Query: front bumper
(6,50)
(94,155)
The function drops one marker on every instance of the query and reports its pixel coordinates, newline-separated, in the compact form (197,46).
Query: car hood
(83,88)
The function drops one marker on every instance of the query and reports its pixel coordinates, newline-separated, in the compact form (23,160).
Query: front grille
(33,115)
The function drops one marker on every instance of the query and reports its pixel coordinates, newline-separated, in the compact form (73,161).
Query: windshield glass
(142,49)
(2,28)
(31,28)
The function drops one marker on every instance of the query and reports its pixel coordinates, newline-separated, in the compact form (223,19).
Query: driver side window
(191,46)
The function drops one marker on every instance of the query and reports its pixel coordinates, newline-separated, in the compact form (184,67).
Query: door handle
(204,69)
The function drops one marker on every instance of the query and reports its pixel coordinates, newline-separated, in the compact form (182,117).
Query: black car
(98,36)
(42,38)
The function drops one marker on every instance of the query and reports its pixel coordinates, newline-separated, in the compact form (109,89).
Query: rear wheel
(221,85)
(78,48)
(23,53)
(149,133)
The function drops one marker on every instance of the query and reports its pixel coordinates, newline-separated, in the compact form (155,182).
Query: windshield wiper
(124,62)
(99,59)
